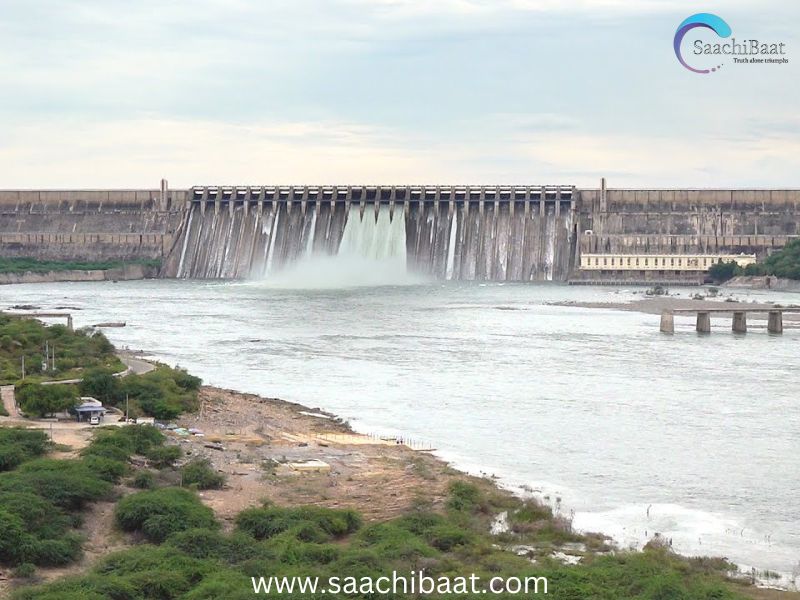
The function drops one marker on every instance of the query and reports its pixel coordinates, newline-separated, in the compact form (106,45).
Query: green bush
(159,513)
(264,523)
(200,473)
(106,468)
(67,484)
(163,393)
(84,348)
(25,571)
(41,400)
(464,497)
(723,271)
(18,445)
(786,262)
(101,384)
(447,537)
(144,480)
(163,456)
(210,543)
(143,437)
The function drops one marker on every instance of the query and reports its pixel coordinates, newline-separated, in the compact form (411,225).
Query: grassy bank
(75,351)
(182,553)
(34,265)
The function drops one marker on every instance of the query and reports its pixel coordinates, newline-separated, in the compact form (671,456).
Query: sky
(118,94)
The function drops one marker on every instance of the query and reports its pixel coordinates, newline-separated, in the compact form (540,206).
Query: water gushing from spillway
(465,241)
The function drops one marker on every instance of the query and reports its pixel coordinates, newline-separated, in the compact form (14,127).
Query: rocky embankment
(125,273)
(763,282)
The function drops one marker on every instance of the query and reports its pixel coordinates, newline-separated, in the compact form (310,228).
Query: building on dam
(484,233)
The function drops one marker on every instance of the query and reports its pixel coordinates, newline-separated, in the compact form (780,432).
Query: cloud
(117,93)
(136,153)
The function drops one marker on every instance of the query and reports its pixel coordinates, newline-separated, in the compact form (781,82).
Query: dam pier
(447,232)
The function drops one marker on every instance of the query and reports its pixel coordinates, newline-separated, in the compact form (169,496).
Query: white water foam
(372,253)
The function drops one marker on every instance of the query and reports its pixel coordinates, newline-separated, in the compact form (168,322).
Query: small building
(88,409)
(664,263)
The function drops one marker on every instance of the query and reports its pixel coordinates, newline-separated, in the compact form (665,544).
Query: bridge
(739,323)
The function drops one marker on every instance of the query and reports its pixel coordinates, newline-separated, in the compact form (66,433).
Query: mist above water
(372,254)
(320,272)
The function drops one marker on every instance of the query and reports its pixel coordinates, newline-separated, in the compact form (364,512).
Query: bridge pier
(775,323)
(703,322)
(739,322)
(667,322)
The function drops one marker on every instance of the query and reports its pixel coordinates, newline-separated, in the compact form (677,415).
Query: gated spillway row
(527,235)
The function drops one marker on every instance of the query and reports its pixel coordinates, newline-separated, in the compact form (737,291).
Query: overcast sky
(114,93)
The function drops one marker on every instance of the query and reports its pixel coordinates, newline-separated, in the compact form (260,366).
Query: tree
(101,384)
(41,400)
(722,271)
(786,262)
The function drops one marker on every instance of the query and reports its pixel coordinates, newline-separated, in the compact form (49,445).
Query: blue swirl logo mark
(707,20)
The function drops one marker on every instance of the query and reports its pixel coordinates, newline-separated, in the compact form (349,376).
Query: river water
(696,438)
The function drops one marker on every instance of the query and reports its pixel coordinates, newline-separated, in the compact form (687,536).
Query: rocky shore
(125,273)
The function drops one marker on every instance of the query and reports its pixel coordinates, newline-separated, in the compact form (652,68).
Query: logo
(707,20)
(743,52)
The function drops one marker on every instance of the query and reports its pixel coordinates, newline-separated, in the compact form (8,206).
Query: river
(636,432)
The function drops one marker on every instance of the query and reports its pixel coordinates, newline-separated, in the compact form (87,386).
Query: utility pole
(23,366)
(126,408)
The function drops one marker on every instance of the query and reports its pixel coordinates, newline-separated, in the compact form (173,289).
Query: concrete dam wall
(89,225)
(687,221)
(482,234)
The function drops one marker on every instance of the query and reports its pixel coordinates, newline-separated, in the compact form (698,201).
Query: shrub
(723,271)
(199,472)
(263,523)
(100,383)
(144,480)
(18,445)
(41,400)
(143,437)
(463,497)
(163,456)
(25,571)
(207,543)
(16,545)
(159,513)
(164,393)
(67,484)
(530,512)
(106,468)
(447,537)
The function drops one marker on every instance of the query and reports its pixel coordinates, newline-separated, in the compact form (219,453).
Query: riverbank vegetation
(183,554)
(784,263)
(74,351)
(35,265)
(163,393)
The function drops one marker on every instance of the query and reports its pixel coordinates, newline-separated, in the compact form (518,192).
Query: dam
(469,233)
(492,234)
